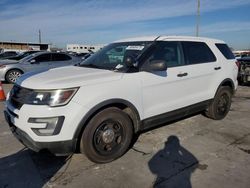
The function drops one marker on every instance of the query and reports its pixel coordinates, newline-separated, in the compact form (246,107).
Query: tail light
(238,64)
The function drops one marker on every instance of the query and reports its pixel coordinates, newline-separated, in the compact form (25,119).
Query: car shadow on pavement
(173,165)
(29,169)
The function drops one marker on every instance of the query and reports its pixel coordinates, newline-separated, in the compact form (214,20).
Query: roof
(166,37)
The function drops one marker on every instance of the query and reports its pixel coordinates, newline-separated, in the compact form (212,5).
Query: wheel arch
(122,104)
(227,82)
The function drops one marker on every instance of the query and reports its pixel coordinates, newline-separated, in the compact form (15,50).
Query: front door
(164,91)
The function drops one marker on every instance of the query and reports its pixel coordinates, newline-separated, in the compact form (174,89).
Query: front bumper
(20,117)
(57,148)
(2,74)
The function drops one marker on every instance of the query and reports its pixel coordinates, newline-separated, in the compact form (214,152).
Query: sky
(102,21)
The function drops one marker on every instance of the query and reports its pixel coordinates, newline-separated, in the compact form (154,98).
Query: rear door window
(10,53)
(225,50)
(197,52)
(43,58)
(7,54)
(60,57)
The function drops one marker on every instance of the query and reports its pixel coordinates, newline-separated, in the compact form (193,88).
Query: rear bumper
(57,148)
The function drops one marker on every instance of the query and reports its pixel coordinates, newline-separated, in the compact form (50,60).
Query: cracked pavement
(193,152)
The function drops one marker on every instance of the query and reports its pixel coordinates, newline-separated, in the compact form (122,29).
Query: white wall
(81,48)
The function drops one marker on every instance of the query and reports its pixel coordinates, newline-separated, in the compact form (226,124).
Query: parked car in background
(81,54)
(11,70)
(22,55)
(8,54)
(239,56)
(15,59)
(244,70)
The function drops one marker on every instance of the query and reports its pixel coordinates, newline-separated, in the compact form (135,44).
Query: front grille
(16,104)
(18,96)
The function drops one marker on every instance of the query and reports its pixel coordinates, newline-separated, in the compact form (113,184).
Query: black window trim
(142,60)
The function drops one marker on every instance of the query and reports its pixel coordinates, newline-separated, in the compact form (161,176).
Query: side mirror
(32,61)
(129,61)
(156,65)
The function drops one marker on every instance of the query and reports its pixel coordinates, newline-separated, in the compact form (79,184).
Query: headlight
(58,97)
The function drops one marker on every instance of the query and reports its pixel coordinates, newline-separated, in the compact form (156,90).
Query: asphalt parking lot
(194,152)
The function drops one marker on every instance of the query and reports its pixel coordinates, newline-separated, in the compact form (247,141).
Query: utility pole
(40,39)
(198,18)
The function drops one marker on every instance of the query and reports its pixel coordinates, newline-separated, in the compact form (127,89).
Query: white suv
(128,86)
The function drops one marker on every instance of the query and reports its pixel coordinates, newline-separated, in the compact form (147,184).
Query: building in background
(82,48)
(23,46)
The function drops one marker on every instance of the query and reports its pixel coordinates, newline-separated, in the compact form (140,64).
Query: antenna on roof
(157,37)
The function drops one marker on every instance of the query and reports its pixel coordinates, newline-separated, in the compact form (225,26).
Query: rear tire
(12,75)
(221,104)
(107,136)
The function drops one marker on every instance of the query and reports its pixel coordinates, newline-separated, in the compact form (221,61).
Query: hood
(7,61)
(66,77)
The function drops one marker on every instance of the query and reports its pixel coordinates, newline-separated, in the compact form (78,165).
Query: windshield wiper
(146,51)
(90,66)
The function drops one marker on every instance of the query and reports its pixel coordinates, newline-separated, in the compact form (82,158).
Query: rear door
(202,68)
(165,91)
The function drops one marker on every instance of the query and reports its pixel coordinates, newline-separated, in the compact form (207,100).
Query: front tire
(107,136)
(221,104)
(12,75)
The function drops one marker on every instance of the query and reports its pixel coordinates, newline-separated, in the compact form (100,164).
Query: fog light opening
(53,125)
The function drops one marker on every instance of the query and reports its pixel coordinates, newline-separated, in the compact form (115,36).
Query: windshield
(112,57)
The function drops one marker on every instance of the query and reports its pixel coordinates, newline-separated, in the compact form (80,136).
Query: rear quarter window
(225,50)
(197,52)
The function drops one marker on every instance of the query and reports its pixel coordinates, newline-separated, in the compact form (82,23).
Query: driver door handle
(217,68)
(182,74)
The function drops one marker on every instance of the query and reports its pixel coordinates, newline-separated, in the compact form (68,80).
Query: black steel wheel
(221,104)
(107,135)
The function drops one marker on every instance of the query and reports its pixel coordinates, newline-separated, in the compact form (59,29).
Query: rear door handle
(217,68)
(182,74)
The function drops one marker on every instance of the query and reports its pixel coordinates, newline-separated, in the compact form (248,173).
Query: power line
(40,38)
(198,18)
